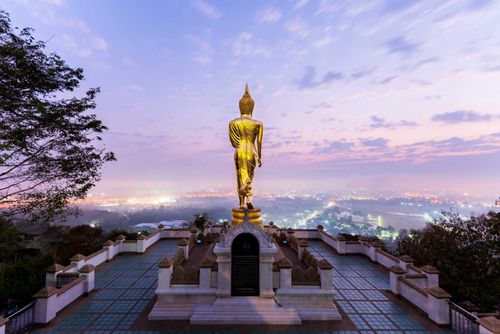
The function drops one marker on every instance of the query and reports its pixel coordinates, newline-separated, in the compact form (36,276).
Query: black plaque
(245,266)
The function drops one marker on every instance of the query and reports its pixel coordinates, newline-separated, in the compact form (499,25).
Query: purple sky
(374,94)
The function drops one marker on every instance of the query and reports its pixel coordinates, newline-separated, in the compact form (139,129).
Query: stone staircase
(244,311)
(164,311)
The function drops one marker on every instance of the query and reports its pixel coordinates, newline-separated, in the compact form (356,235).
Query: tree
(48,139)
(466,252)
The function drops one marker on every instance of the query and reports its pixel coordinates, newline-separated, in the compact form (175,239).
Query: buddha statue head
(246,103)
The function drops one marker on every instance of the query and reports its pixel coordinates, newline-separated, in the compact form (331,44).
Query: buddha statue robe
(246,134)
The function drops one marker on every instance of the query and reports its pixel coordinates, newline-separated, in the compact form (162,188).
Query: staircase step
(244,311)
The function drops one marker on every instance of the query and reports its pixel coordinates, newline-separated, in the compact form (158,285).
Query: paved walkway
(125,292)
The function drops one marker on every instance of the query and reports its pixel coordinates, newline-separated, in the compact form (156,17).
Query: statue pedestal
(250,215)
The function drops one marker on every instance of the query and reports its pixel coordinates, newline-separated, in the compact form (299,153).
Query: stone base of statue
(246,215)
(246,276)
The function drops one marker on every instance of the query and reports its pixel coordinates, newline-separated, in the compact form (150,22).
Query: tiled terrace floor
(125,292)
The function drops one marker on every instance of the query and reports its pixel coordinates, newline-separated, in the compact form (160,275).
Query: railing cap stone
(406,258)
(87,268)
(46,292)
(77,257)
(438,293)
(397,270)
(429,269)
(491,323)
(141,237)
(284,263)
(165,263)
(325,265)
(3,321)
(206,263)
(120,237)
(108,243)
(182,242)
(54,268)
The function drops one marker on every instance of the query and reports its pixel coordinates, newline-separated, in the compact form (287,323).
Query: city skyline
(379,95)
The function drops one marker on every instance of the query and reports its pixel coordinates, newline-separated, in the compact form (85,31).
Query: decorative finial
(246,102)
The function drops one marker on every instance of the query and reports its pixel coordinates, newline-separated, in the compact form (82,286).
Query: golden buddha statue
(243,133)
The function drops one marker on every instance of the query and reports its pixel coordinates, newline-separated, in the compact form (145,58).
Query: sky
(378,95)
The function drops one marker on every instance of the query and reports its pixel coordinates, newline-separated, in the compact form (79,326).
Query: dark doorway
(245,265)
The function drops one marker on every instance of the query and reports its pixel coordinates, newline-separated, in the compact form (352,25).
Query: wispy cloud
(369,150)
(300,3)
(401,45)
(386,80)
(309,80)
(358,74)
(269,15)
(298,27)
(246,45)
(334,147)
(204,53)
(461,116)
(206,9)
(377,142)
(380,123)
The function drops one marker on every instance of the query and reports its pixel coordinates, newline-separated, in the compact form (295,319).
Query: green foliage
(466,252)
(48,155)
(21,280)
(22,270)
(62,242)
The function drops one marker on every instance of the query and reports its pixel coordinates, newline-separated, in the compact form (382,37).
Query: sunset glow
(395,95)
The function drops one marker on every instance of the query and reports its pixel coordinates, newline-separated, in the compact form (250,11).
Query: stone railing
(420,286)
(50,299)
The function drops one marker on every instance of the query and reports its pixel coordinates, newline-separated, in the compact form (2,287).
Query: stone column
(285,267)
(404,261)
(120,239)
(164,274)
(51,274)
(79,260)
(45,306)
(326,274)
(109,247)
(224,275)
(140,244)
(205,273)
(340,244)
(432,275)
(374,246)
(88,271)
(394,273)
(184,245)
(489,325)
(438,309)
(303,244)
(266,274)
